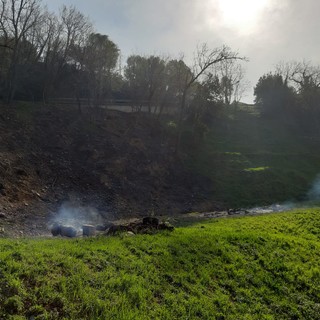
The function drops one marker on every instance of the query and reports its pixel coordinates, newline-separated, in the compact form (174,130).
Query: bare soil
(121,164)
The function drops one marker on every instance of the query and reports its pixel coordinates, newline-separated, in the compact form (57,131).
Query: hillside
(123,165)
(120,164)
(264,267)
(253,160)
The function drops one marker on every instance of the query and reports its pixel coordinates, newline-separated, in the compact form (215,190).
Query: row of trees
(39,50)
(292,91)
(44,55)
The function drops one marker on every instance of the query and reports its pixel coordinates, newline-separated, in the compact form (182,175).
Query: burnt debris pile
(148,225)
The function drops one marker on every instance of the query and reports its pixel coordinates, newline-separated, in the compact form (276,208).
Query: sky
(265,31)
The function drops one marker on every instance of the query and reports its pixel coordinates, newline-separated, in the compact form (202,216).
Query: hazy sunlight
(242,14)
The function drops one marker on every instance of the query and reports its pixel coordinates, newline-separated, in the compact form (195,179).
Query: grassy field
(264,267)
(256,161)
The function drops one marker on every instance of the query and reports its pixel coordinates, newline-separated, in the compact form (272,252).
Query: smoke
(314,192)
(312,198)
(76,216)
(273,208)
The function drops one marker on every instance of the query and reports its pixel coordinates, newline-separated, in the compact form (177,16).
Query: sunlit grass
(264,267)
(256,169)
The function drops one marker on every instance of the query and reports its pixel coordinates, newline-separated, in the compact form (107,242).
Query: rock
(68,231)
(151,221)
(88,230)
(2,215)
(2,189)
(130,234)
(21,172)
(56,229)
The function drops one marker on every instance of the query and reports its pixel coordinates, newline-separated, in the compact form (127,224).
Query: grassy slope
(264,267)
(256,161)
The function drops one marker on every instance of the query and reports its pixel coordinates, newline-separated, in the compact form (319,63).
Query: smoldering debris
(75,220)
(71,219)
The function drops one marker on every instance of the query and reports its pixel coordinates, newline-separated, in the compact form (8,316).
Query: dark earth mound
(122,164)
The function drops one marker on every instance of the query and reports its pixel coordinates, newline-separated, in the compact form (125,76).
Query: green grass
(255,161)
(256,169)
(265,267)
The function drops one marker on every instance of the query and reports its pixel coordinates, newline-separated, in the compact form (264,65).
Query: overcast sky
(265,31)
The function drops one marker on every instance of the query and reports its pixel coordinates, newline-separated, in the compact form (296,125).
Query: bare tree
(204,59)
(299,74)
(18,19)
(232,80)
(67,36)
(75,28)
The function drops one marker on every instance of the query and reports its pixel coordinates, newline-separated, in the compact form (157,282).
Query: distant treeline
(291,93)
(45,56)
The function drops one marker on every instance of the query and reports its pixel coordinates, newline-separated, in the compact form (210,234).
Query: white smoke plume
(76,216)
(314,192)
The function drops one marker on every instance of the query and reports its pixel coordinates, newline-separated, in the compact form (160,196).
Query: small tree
(204,59)
(273,94)
(100,59)
(145,78)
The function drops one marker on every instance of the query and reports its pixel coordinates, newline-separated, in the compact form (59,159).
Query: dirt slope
(121,164)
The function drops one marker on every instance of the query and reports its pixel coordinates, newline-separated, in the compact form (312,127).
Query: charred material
(152,221)
(148,225)
(56,229)
(65,231)
(68,231)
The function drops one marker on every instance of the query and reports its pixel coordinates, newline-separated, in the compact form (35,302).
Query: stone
(2,189)
(56,229)
(88,230)
(2,215)
(68,231)
(21,172)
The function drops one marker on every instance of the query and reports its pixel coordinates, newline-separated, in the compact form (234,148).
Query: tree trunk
(179,133)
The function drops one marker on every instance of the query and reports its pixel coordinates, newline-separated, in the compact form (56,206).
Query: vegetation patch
(264,267)
(253,160)
(258,169)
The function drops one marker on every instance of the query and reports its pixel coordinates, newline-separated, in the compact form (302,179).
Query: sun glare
(242,14)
